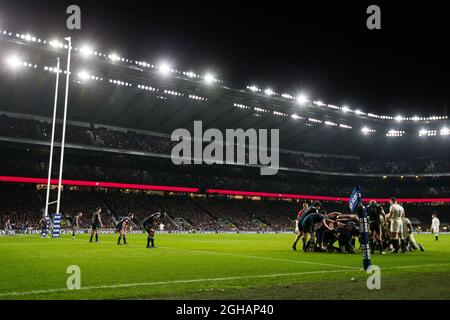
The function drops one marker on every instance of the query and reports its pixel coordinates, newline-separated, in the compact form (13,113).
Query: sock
(380,244)
(436,238)
(403,244)
(395,244)
(153,242)
(124,239)
(96,237)
(148,242)
(73,233)
(118,241)
(92,235)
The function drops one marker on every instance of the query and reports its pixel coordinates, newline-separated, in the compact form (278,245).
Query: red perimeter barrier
(82,183)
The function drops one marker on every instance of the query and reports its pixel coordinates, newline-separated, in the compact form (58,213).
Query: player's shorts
(95,226)
(307,226)
(148,227)
(435,230)
(375,226)
(396,226)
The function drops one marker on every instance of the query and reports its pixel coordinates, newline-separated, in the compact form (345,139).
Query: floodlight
(164,68)
(302,99)
(14,61)
(84,75)
(268,92)
(209,78)
(114,57)
(86,50)
(345,109)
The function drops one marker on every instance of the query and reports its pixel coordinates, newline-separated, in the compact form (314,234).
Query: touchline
(210,147)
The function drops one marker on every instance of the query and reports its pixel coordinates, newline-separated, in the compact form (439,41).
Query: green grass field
(213,266)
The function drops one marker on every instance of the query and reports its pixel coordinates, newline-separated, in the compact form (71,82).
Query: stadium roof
(109,89)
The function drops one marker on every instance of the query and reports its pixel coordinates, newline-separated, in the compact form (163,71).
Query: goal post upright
(63,139)
(52,143)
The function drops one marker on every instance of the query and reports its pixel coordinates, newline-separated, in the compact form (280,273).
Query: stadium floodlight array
(195,97)
(302,99)
(84,75)
(315,120)
(429,133)
(164,68)
(173,93)
(445,131)
(395,133)
(120,83)
(281,114)
(331,123)
(241,106)
(148,88)
(345,126)
(16,62)
(366,130)
(258,109)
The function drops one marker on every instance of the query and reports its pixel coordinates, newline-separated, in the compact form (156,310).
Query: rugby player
(396,212)
(309,225)
(44,227)
(121,227)
(150,225)
(76,224)
(8,226)
(375,213)
(435,226)
(96,224)
(310,210)
(299,233)
(410,241)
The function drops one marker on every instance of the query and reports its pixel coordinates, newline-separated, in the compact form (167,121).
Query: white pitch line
(142,284)
(264,258)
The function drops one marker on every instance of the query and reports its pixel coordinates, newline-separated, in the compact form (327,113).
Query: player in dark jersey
(309,227)
(298,231)
(150,225)
(310,210)
(347,235)
(96,224)
(375,214)
(121,227)
(76,224)
(44,227)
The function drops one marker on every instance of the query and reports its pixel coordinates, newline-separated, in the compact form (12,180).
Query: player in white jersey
(396,212)
(410,241)
(435,226)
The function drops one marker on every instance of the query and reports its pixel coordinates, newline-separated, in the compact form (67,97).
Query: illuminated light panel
(367,130)
(445,131)
(269,92)
(147,88)
(120,83)
(302,99)
(241,106)
(345,126)
(195,97)
(395,133)
(330,123)
(173,93)
(253,88)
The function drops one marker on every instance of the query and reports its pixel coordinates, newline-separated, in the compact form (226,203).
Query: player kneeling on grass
(150,225)
(76,224)
(410,241)
(96,223)
(122,226)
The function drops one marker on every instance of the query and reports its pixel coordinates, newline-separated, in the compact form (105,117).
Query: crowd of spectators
(102,137)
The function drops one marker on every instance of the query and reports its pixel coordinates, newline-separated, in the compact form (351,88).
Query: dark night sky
(323,49)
